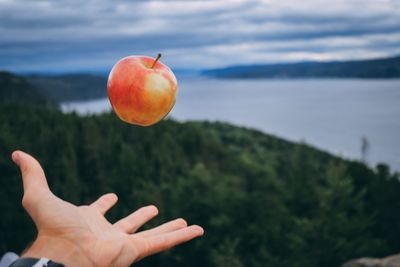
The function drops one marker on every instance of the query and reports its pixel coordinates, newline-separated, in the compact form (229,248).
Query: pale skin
(82,236)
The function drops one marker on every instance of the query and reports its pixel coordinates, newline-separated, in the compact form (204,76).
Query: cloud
(83,35)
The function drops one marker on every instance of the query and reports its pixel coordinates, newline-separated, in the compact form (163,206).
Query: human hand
(82,236)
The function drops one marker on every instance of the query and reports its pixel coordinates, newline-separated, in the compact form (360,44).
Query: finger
(165,228)
(33,177)
(135,220)
(166,241)
(105,202)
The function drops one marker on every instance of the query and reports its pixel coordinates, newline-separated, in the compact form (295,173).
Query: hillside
(375,68)
(15,88)
(263,201)
(70,87)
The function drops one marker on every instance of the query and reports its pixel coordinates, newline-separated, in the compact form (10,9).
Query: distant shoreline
(385,68)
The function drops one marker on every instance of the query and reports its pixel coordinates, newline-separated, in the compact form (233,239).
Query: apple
(141,90)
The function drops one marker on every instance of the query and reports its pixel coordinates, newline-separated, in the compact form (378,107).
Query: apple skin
(140,94)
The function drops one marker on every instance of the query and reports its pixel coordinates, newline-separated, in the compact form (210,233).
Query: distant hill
(70,87)
(374,68)
(15,88)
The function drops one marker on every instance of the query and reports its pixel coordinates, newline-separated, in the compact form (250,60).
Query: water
(333,115)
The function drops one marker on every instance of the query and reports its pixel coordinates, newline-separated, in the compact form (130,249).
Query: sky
(91,35)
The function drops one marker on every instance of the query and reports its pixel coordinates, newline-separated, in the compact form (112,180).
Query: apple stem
(155,61)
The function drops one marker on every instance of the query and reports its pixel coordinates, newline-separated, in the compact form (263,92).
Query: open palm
(82,236)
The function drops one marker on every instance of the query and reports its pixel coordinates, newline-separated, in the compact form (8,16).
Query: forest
(262,200)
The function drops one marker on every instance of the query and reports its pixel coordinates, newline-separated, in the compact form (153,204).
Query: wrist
(59,250)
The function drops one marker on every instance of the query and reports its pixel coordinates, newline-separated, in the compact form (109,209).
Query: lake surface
(333,115)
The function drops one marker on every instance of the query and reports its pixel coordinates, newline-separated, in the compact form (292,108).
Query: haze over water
(333,115)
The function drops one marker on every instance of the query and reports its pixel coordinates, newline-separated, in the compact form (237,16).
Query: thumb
(33,177)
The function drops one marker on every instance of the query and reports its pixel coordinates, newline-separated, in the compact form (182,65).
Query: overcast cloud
(74,35)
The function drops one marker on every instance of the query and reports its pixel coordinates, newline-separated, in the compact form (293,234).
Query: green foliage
(263,201)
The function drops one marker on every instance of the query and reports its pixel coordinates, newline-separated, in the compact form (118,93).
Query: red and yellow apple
(141,90)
